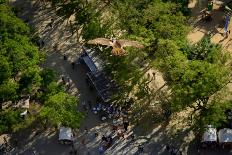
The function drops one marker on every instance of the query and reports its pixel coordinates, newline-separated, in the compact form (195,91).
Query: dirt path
(214,28)
(59,41)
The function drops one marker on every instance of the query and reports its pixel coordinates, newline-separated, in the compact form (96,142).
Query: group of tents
(213,138)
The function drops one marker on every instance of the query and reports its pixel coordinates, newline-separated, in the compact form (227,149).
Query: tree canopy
(20,58)
(193,72)
(21,75)
(61,108)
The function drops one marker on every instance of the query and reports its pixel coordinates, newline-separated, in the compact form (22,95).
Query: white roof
(95,58)
(65,134)
(225,135)
(210,134)
(90,64)
(23,113)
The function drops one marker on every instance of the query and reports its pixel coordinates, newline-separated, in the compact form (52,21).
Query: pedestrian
(4,139)
(153,74)
(90,104)
(101,150)
(86,130)
(42,43)
(51,23)
(132,137)
(168,148)
(104,138)
(34,152)
(63,80)
(96,134)
(65,57)
(73,65)
(84,106)
(125,125)
(69,85)
(120,133)
(140,148)
(83,141)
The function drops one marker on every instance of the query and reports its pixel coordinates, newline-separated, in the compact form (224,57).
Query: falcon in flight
(116,44)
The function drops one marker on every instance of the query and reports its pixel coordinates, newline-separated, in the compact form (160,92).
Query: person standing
(63,80)
(90,105)
(65,57)
(125,125)
(84,105)
(73,65)
(51,23)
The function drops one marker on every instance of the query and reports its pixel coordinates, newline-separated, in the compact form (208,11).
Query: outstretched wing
(101,41)
(125,43)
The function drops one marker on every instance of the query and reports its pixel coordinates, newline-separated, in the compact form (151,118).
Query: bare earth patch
(214,28)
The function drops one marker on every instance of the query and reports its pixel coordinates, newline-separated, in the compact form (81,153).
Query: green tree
(215,114)
(8,91)
(19,57)
(8,118)
(20,74)
(61,108)
(193,75)
(5,69)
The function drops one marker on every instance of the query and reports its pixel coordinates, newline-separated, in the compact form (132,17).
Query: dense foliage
(193,73)
(59,109)
(20,75)
(20,58)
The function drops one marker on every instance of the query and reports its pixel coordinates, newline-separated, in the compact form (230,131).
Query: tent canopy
(65,134)
(88,61)
(210,134)
(225,135)
(92,60)
(102,84)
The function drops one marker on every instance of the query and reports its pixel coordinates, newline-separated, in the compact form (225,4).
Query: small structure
(225,137)
(209,137)
(24,113)
(66,135)
(25,104)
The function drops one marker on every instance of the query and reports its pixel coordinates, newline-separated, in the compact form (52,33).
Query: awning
(210,134)
(65,134)
(92,67)
(225,135)
(92,60)
(102,84)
